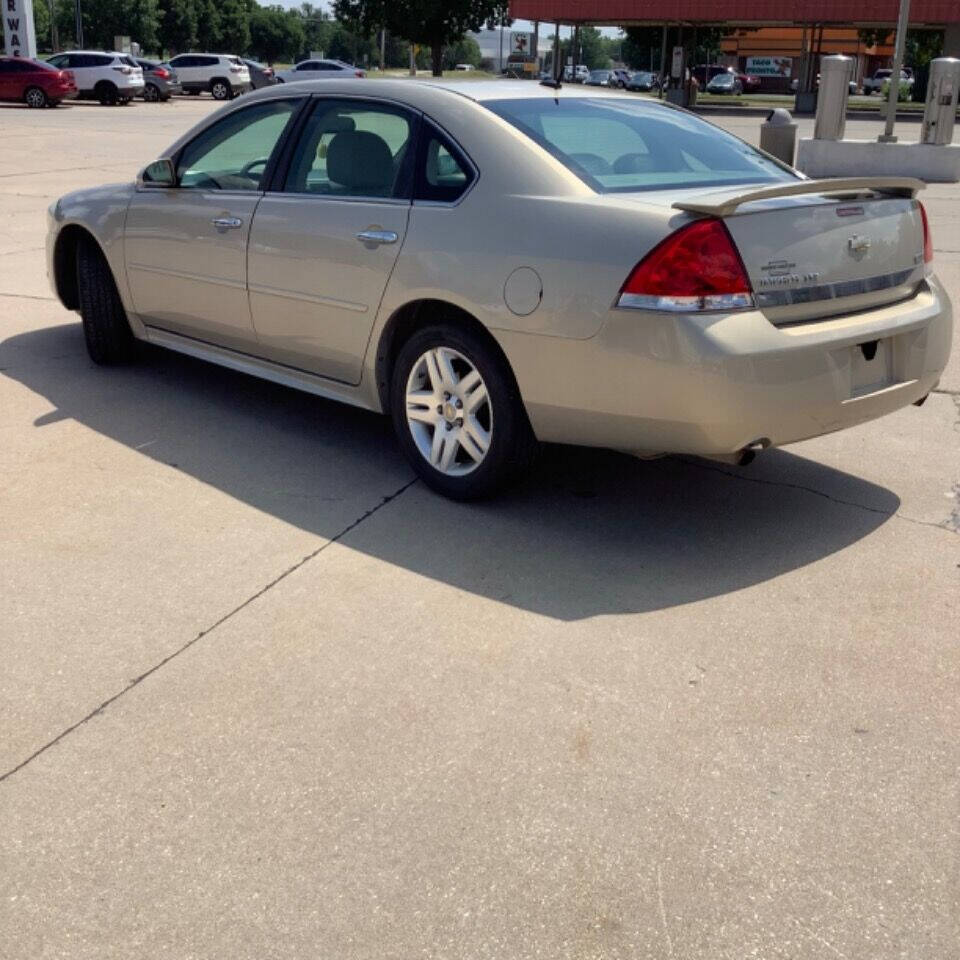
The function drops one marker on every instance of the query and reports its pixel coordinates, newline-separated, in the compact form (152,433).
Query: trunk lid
(818,248)
(812,257)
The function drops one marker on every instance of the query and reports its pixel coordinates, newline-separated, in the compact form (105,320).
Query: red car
(34,83)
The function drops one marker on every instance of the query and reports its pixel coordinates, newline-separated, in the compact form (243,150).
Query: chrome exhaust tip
(749,453)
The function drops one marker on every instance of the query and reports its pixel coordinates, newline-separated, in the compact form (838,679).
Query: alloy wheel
(448,411)
(36,98)
(219,91)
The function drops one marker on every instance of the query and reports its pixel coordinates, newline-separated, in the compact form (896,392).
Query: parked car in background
(34,82)
(112,78)
(222,74)
(643,81)
(260,74)
(875,83)
(581,75)
(620,78)
(703,73)
(851,86)
(601,78)
(668,325)
(725,83)
(319,70)
(748,83)
(160,81)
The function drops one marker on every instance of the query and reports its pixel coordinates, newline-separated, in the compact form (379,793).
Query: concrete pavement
(264,696)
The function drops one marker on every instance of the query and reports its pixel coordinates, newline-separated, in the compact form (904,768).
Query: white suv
(224,75)
(101,75)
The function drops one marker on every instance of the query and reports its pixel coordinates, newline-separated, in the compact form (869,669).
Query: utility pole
(79,27)
(383,48)
(898,46)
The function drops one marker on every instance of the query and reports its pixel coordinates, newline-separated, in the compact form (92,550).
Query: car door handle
(378,236)
(227,223)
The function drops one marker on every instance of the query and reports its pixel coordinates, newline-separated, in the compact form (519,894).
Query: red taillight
(359,73)
(927,238)
(267,72)
(124,70)
(235,69)
(696,268)
(161,73)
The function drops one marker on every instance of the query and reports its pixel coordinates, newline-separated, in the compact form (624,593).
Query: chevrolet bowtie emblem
(858,244)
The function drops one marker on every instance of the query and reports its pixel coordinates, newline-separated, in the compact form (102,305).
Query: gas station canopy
(766,12)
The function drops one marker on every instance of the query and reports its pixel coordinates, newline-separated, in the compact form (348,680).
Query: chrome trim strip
(183,275)
(307,298)
(832,291)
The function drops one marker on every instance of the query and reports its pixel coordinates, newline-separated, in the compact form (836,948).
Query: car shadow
(586,533)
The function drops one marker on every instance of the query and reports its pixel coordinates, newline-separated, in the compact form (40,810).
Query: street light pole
(79,27)
(898,46)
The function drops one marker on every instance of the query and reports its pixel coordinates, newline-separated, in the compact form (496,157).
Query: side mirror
(160,173)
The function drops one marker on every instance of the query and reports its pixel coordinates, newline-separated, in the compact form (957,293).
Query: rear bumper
(711,385)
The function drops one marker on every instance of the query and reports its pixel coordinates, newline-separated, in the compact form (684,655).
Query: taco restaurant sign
(18,35)
(769,66)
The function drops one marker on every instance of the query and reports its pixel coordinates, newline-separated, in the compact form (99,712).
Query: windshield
(621,145)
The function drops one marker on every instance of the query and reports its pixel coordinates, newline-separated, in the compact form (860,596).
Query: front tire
(105,326)
(35,98)
(458,414)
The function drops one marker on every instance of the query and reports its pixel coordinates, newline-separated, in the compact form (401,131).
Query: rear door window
(618,145)
(353,149)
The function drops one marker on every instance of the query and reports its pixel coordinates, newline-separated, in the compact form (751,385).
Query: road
(265,696)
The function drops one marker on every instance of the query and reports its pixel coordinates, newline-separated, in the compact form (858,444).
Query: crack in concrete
(943,525)
(27,296)
(208,630)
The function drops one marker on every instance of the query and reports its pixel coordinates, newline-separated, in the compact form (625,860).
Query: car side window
(234,153)
(443,173)
(97,60)
(207,61)
(59,61)
(353,149)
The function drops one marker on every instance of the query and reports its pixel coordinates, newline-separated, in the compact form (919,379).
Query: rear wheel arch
(417,315)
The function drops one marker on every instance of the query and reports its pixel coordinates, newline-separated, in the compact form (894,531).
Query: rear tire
(220,90)
(151,93)
(497,442)
(106,93)
(105,326)
(35,98)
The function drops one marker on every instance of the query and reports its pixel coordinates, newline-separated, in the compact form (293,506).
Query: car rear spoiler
(725,202)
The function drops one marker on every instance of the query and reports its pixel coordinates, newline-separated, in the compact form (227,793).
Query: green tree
(208,25)
(234,27)
(700,45)
(178,26)
(432,22)
(276,34)
(41,25)
(466,50)
(105,19)
(920,47)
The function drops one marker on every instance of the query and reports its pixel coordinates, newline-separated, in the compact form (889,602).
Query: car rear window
(617,145)
(129,61)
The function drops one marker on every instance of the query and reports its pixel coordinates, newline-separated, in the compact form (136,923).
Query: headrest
(361,161)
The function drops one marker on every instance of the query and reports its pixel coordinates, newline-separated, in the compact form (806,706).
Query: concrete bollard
(778,135)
